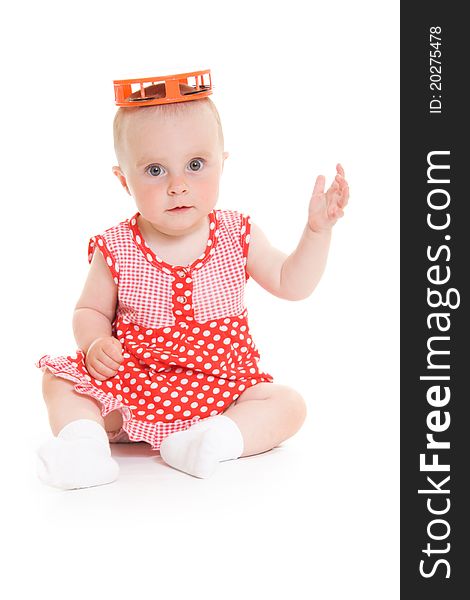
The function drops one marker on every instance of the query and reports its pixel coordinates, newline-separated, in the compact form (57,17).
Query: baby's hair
(171,109)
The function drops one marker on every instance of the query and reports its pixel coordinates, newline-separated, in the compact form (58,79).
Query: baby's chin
(181,221)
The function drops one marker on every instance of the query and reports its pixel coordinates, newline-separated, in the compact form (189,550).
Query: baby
(165,352)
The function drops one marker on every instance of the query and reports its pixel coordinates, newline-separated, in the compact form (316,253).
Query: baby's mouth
(178,209)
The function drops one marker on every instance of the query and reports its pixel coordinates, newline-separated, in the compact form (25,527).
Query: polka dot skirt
(187,349)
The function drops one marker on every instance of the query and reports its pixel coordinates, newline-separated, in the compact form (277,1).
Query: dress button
(181,299)
(181,273)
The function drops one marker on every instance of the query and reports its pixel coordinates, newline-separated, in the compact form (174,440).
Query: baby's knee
(48,386)
(297,406)
(53,385)
(300,406)
(47,379)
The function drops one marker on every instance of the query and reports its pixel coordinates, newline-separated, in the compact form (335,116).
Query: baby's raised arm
(294,277)
(291,277)
(92,321)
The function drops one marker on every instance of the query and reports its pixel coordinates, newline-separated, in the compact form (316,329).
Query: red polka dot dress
(187,349)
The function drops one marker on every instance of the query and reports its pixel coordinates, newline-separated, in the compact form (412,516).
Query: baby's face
(172,167)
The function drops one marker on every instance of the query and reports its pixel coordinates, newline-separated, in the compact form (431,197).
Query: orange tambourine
(163,90)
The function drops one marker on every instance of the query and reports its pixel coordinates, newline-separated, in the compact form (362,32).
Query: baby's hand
(104,357)
(326,208)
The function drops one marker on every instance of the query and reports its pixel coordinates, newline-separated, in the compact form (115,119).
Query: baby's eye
(154,170)
(196,164)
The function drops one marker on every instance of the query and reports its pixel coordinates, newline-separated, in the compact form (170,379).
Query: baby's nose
(179,187)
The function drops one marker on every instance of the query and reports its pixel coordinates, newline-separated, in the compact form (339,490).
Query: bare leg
(267,414)
(79,455)
(65,405)
(264,416)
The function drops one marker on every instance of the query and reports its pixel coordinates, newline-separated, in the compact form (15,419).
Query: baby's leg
(65,405)
(267,414)
(80,455)
(264,416)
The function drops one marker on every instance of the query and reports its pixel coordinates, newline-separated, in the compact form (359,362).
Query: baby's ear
(122,178)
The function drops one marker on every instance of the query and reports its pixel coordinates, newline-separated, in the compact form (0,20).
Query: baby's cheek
(209,189)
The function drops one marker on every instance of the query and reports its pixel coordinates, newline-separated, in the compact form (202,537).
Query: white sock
(199,449)
(79,457)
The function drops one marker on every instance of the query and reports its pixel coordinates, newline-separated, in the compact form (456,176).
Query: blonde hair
(168,110)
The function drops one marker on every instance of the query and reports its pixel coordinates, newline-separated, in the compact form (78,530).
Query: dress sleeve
(245,229)
(98,241)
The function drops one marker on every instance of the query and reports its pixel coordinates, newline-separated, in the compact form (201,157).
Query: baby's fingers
(112,348)
(114,352)
(106,360)
(344,195)
(98,371)
(335,213)
(338,213)
(342,189)
(104,366)
(319,186)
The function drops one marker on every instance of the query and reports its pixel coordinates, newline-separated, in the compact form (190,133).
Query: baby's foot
(78,457)
(199,449)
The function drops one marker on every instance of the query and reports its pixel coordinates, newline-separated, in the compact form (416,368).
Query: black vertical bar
(434,259)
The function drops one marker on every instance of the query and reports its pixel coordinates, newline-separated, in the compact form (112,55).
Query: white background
(299,86)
